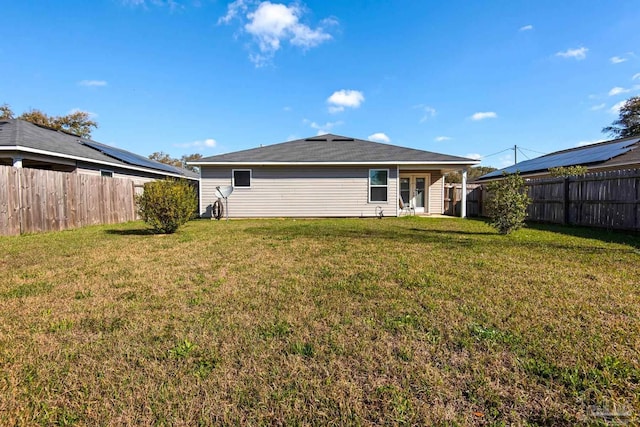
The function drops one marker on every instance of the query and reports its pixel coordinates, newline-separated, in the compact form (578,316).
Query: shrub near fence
(600,199)
(34,200)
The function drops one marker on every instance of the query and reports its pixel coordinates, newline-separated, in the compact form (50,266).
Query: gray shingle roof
(17,132)
(331,148)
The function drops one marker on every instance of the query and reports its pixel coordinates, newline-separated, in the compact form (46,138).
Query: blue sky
(467,78)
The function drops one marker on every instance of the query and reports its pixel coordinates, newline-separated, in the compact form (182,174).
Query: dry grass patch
(339,322)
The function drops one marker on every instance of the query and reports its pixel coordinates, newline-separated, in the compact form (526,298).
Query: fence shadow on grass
(607,236)
(133,232)
(451,238)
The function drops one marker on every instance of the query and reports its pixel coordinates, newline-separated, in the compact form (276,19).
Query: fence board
(608,199)
(34,200)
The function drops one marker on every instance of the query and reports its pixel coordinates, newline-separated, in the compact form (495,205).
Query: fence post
(565,201)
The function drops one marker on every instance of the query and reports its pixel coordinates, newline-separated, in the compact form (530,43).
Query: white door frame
(412,189)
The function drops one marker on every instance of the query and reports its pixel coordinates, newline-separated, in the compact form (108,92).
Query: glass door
(413,191)
(405,190)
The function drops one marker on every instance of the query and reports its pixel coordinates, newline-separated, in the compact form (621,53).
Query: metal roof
(332,149)
(30,137)
(585,156)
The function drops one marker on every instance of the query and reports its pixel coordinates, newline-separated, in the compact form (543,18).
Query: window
(378,183)
(106,173)
(242,178)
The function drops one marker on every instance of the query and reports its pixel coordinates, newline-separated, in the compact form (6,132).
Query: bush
(566,171)
(508,203)
(166,205)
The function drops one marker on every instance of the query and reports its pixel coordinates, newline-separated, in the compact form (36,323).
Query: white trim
(233,178)
(85,159)
(397,190)
(377,186)
(367,163)
(463,202)
(107,171)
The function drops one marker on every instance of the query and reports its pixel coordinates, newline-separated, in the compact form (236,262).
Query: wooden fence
(453,199)
(34,200)
(602,199)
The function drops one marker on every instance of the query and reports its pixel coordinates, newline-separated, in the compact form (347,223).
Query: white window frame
(233,178)
(106,173)
(369,186)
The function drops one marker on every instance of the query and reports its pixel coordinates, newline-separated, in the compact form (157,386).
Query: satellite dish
(224,191)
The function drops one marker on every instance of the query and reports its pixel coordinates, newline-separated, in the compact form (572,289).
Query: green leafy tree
(508,202)
(191,158)
(565,171)
(78,123)
(628,122)
(6,112)
(166,205)
(162,157)
(472,174)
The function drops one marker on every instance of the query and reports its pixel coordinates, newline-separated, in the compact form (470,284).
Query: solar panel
(583,156)
(131,158)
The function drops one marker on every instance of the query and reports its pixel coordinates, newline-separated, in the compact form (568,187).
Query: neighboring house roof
(20,135)
(333,149)
(608,154)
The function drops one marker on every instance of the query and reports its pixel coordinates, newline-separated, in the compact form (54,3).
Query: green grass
(415,321)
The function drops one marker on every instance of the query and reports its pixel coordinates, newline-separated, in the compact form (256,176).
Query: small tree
(565,171)
(166,205)
(508,203)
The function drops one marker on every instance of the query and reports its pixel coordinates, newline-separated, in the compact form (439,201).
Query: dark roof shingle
(331,148)
(17,132)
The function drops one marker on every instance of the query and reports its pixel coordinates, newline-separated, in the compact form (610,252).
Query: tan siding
(299,192)
(436,193)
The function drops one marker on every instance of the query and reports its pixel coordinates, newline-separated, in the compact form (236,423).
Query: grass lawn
(314,322)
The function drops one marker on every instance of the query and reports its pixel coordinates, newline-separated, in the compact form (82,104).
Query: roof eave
(367,163)
(88,160)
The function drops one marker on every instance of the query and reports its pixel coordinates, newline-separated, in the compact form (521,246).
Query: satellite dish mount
(222,192)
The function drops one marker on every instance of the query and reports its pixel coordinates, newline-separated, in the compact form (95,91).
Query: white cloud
(506,160)
(617,60)
(345,98)
(271,24)
(598,107)
(323,128)
(428,112)
(233,10)
(578,53)
(205,143)
(616,107)
(474,156)
(92,83)
(618,90)
(636,76)
(526,28)
(484,115)
(379,137)
(442,138)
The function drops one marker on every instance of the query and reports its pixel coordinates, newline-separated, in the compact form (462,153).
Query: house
(24,144)
(603,156)
(327,176)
